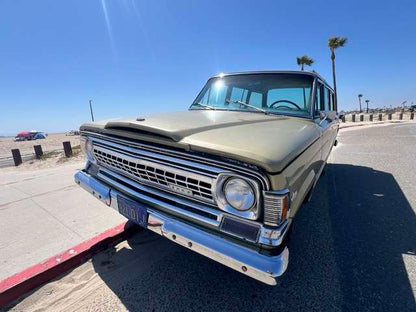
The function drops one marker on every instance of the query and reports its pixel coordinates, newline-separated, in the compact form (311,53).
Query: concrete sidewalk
(43,212)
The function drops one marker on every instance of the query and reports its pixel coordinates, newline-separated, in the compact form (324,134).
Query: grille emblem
(181,190)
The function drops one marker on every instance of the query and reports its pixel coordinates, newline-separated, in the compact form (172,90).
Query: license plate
(132,210)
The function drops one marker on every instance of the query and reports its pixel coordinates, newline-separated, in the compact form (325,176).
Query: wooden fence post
(38,151)
(67,148)
(17,158)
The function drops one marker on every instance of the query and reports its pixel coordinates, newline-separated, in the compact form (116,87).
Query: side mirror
(327,115)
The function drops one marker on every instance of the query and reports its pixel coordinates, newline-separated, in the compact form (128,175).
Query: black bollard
(38,151)
(17,158)
(67,148)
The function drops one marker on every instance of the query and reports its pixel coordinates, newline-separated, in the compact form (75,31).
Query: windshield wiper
(248,105)
(204,105)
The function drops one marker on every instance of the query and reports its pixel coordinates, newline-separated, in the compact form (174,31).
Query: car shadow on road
(346,254)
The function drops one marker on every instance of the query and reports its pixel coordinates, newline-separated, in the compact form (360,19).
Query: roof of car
(259,72)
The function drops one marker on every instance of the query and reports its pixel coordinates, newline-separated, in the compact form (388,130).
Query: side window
(256,99)
(318,100)
(327,105)
(238,94)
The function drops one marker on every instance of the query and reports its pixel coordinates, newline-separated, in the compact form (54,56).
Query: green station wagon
(226,177)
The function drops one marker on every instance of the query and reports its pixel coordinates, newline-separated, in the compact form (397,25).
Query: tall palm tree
(359,100)
(333,44)
(304,60)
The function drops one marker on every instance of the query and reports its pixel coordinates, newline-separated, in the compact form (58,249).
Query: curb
(358,124)
(20,283)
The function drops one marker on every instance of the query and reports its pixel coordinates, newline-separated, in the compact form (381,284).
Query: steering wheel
(284,101)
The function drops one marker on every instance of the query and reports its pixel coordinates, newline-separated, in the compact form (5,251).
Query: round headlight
(87,148)
(239,194)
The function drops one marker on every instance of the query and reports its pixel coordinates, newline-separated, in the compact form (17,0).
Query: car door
(325,118)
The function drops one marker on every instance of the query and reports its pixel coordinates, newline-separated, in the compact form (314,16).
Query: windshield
(287,94)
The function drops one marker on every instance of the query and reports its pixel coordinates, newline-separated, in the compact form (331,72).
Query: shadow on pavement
(345,255)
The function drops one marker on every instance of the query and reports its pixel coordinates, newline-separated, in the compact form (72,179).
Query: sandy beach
(51,143)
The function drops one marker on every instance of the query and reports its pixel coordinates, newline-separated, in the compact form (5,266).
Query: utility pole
(367,104)
(359,100)
(92,114)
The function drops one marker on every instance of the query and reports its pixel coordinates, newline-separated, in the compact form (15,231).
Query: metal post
(92,114)
(17,158)
(38,151)
(67,148)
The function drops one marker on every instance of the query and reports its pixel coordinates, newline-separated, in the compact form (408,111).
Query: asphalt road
(353,249)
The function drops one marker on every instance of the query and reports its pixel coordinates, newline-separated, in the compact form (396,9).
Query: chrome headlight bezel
(87,148)
(252,213)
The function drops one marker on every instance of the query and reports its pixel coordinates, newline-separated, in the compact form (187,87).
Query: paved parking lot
(353,249)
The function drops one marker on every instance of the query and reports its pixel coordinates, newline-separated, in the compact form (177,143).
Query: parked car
(225,178)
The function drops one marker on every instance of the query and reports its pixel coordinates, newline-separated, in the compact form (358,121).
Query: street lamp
(367,104)
(359,100)
(92,114)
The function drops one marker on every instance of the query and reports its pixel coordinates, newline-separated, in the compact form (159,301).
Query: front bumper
(247,261)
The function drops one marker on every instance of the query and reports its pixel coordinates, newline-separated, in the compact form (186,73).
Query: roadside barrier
(17,158)
(67,148)
(38,151)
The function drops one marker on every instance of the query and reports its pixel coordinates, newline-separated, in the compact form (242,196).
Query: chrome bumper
(247,261)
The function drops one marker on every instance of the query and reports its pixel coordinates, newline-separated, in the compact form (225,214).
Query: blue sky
(140,57)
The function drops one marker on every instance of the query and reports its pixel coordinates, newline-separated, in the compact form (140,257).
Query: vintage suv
(226,177)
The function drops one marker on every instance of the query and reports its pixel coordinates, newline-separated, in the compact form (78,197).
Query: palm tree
(367,104)
(333,44)
(359,100)
(304,60)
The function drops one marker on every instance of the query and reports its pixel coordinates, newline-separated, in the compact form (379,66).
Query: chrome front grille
(156,174)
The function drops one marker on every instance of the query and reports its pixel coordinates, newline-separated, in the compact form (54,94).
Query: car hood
(268,141)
